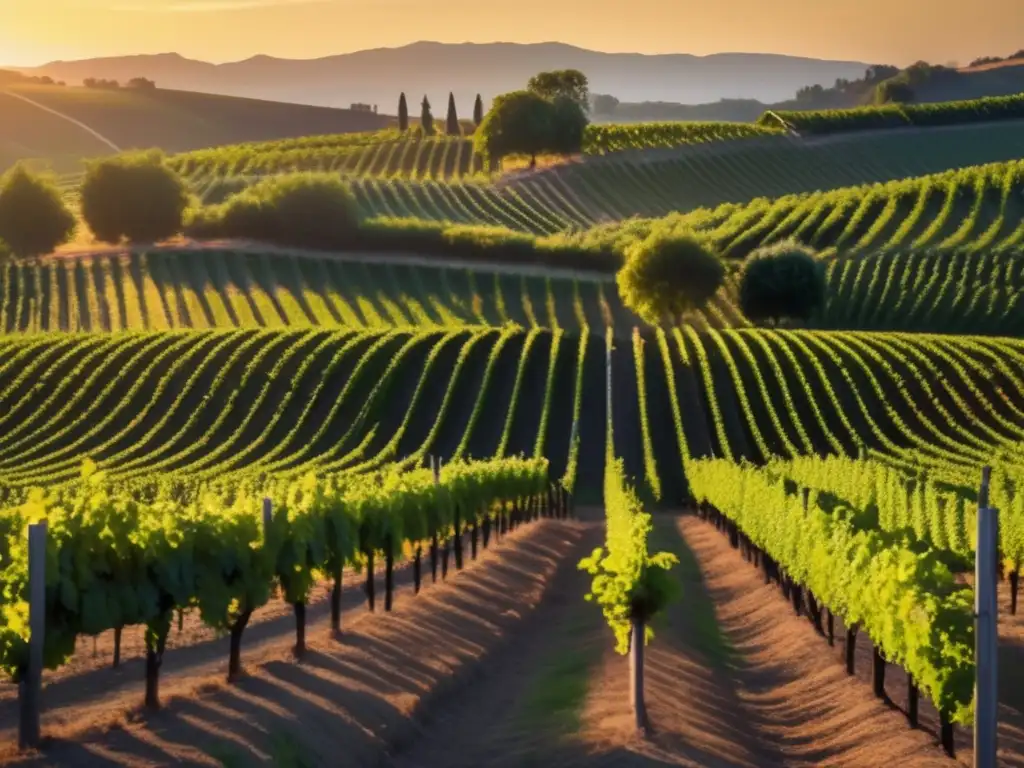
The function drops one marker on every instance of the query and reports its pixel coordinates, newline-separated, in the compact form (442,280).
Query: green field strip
(410,409)
(196,424)
(124,420)
(337,412)
(71,392)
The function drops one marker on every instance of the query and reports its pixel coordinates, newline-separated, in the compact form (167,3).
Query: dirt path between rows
(734,678)
(515,710)
(790,682)
(355,697)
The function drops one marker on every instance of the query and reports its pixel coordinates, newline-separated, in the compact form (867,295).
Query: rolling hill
(378,76)
(175,121)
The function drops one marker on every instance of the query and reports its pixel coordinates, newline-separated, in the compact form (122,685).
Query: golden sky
(889,31)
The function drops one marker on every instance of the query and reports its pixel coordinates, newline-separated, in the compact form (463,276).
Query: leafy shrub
(33,217)
(134,197)
(304,210)
(668,275)
(782,281)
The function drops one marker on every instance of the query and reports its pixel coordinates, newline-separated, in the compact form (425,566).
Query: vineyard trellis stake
(986,636)
(30,686)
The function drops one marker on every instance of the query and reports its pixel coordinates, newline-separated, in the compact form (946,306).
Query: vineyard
(213,452)
(621,185)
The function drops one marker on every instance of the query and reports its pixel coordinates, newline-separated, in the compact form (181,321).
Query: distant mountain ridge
(378,75)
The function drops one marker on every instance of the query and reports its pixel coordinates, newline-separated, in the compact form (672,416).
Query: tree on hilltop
(403,113)
(567,83)
(426,117)
(526,123)
(519,123)
(33,217)
(452,127)
(478,110)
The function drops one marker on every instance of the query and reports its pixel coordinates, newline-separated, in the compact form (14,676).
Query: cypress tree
(403,113)
(427,117)
(452,121)
(478,110)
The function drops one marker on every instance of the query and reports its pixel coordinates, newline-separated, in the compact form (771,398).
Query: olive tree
(669,275)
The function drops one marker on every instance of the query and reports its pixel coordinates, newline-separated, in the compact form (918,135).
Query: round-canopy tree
(33,217)
(780,282)
(519,123)
(668,275)
(134,197)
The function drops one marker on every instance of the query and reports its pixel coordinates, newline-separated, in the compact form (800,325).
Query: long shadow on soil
(357,697)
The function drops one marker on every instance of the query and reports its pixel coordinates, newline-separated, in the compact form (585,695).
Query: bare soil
(357,697)
(792,684)
(734,678)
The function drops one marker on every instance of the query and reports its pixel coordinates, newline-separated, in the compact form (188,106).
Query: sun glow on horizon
(39,31)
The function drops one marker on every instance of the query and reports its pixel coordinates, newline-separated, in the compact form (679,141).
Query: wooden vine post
(636,674)
(986,638)
(435,465)
(30,685)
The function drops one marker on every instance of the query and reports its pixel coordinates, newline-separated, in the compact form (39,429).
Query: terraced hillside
(751,172)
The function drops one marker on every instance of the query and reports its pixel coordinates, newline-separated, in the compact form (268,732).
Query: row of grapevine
(114,559)
(928,505)
(954,400)
(630,584)
(978,110)
(973,209)
(231,403)
(384,155)
(390,153)
(904,599)
(285,401)
(603,138)
(206,289)
(957,291)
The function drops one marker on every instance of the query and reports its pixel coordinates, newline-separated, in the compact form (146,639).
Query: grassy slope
(175,121)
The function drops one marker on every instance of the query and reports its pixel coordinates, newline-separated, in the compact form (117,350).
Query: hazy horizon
(877,31)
